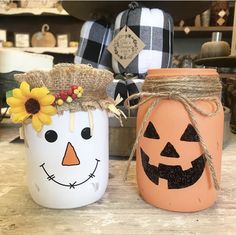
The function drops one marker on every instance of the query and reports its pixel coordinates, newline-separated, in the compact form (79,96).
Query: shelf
(32,11)
(203,31)
(224,61)
(61,50)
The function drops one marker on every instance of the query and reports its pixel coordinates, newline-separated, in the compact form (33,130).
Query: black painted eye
(151,132)
(51,136)
(85,133)
(190,134)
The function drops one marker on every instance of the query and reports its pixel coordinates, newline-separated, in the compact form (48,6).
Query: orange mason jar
(180,134)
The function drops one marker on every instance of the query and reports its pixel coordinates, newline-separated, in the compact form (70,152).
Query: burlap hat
(84,10)
(62,77)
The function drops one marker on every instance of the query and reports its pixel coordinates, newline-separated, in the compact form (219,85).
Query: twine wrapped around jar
(186,90)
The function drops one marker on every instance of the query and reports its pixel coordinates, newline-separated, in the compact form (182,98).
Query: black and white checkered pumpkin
(95,36)
(155,28)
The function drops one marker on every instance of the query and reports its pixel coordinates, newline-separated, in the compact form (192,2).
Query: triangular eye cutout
(151,132)
(190,134)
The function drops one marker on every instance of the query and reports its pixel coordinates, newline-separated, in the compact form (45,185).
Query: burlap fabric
(63,76)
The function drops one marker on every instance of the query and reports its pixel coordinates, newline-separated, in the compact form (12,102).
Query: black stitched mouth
(176,177)
(70,185)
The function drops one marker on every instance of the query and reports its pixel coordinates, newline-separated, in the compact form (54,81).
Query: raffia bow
(189,106)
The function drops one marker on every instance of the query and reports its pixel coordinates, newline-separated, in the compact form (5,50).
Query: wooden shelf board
(203,32)
(61,50)
(205,29)
(33,11)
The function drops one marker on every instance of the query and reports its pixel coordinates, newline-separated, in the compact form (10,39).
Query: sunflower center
(32,106)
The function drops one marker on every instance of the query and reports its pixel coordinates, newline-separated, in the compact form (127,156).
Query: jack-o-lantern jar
(65,121)
(179,139)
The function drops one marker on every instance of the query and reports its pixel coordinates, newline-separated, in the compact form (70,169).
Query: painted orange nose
(70,157)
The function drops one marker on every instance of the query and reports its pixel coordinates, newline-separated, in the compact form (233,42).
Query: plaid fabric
(95,36)
(155,28)
(125,88)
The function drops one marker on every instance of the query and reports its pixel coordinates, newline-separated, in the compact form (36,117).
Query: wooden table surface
(120,211)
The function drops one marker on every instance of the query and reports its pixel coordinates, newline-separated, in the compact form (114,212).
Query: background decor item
(71,125)
(22,40)
(206,18)
(8,44)
(62,40)
(179,138)
(43,38)
(73,44)
(37,3)
(154,28)
(216,47)
(14,62)
(95,36)
(223,61)
(7,4)
(3,35)
(219,13)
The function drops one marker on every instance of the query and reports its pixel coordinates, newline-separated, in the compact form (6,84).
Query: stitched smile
(70,185)
(176,177)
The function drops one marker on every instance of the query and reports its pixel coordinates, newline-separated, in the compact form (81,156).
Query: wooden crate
(121,139)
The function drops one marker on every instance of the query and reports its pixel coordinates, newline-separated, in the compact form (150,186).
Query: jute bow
(189,106)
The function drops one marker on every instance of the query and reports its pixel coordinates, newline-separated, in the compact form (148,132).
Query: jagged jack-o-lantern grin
(70,159)
(176,177)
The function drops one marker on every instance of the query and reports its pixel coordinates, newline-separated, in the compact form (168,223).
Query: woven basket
(121,139)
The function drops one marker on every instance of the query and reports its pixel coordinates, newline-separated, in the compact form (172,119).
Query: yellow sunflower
(35,103)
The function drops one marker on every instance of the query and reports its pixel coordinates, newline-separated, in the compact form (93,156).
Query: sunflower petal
(19,117)
(38,93)
(44,118)
(18,109)
(14,102)
(50,110)
(17,93)
(36,123)
(47,100)
(25,88)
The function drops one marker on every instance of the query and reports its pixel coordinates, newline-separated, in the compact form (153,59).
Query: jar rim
(167,72)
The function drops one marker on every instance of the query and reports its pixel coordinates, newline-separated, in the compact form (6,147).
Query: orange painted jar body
(172,172)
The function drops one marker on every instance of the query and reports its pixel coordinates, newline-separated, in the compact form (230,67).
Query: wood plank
(32,11)
(204,29)
(233,43)
(120,211)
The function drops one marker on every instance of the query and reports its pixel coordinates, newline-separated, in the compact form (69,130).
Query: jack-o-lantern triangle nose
(169,151)
(70,157)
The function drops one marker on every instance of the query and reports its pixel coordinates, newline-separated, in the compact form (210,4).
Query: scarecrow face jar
(172,170)
(67,159)
(67,168)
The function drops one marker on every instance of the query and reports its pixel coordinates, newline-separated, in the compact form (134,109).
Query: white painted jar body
(68,165)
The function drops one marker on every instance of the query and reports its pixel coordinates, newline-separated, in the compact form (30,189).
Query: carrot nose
(70,157)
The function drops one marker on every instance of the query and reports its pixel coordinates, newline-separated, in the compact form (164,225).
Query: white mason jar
(65,168)
(64,113)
